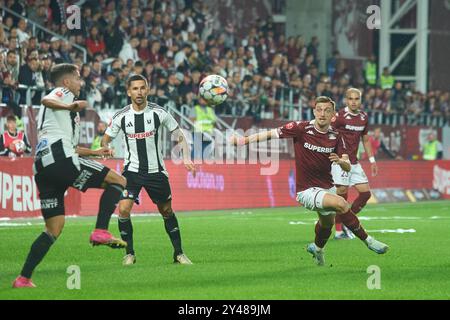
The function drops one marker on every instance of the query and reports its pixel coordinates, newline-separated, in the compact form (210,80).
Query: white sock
(368,239)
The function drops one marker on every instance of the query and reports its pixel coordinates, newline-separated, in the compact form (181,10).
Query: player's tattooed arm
(52,103)
(257,137)
(344,161)
(181,138)
(103,152)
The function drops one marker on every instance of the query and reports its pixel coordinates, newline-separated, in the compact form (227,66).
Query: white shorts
(355,176)
(312,199)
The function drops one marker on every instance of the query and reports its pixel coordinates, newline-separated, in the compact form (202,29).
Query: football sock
(337,219)
(108,203)
(172,229)
(38,250)
(322,235)
(360,202)
(126,233)
(351,221)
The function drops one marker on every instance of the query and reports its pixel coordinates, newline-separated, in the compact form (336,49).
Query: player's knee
(342,205)
(365,196)
(166,211)
(124,211)
(341,189)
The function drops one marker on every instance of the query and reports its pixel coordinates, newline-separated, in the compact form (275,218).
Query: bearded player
(317,146)
(352,124)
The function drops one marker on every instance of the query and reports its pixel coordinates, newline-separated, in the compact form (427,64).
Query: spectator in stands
(387,80)
(13,142)
(371,71)
(204,118)
(101,128)
(181,58)
(95,43)
(129,50)
(432,149)
(28,75)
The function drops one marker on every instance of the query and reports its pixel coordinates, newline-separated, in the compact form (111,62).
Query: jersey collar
(313,123)
(347,110)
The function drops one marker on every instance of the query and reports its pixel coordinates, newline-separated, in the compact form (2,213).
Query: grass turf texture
(241,254)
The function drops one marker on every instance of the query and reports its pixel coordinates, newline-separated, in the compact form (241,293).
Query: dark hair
(136,77)
(60,70)
(11,118)
(325,99)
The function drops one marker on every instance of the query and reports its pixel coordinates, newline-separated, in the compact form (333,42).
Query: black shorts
(156,184)
(54,180)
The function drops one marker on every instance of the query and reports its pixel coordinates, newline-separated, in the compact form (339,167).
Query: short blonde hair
(350,90)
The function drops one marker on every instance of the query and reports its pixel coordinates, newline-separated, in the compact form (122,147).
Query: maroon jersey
(312,149)
(352,127)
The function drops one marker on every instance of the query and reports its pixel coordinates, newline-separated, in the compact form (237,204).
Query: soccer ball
(214,89)
(17,146)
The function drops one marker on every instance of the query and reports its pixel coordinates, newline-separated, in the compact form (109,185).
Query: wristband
(372,159)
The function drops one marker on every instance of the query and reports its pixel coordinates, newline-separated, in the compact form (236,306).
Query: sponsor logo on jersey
(141,135)
(310,132)
(290,125)
(332,136)
(129,124)
(354,128)
(318,149)
(348,118)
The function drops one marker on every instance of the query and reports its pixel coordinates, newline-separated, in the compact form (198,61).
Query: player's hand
(190,166)
(374,168)
(334,157)
(238,141)
(78,106)
(104,152)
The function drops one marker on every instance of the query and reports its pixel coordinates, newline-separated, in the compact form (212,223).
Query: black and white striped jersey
(58,131)
(142,134)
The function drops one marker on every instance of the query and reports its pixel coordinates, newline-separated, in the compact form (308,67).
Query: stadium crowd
(174,44)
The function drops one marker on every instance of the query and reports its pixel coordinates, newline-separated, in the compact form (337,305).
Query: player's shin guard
(337,219)
(38,250)
(360,202)
(108,203)
(351,221)
(173,230)
(126,232)
(322,235)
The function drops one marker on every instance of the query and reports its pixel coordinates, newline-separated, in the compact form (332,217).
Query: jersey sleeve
(290,130)
(58,94)
(114,127)
(336,122)
(169,122)
(341,147)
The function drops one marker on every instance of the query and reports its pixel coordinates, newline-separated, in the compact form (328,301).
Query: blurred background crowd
(176,43)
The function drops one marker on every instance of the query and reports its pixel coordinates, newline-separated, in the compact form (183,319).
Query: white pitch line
(393,231)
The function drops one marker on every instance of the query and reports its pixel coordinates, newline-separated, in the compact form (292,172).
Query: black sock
(108,203)
(38,250)
(172,229)
(126,232)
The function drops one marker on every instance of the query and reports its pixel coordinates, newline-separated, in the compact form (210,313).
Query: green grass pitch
(241,254)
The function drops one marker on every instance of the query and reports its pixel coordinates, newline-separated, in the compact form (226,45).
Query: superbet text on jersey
(312,151)
(352,127)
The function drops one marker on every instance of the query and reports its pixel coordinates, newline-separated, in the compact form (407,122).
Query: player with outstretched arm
(317,146)
(59,164)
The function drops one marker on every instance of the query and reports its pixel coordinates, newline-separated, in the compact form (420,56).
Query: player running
(59,165)
(142,122)
(317,145)
(352,124)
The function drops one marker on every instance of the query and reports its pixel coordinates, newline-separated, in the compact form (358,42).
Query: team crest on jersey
(59,93)
(149,121)
(290,125)
(363,118)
